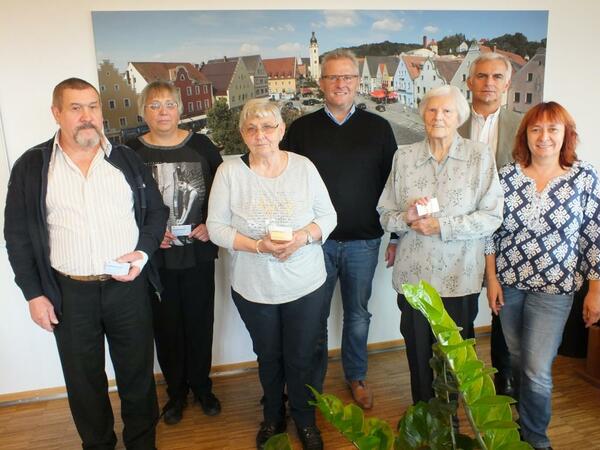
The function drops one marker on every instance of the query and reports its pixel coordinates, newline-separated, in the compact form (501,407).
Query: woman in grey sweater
(271,210)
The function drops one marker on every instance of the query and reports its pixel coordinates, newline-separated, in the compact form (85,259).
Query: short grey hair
(491,56)
(259,107)
(340,54)
(156,87)
(462,106)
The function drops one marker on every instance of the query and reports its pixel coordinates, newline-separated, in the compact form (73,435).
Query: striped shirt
(90,218)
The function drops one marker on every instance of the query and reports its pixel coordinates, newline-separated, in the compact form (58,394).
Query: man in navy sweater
(353,151)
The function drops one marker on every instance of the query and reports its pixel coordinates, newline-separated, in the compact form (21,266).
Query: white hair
(491,56)
(259,107)
(462,106)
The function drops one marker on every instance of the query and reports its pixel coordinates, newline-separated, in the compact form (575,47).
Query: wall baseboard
(39,395)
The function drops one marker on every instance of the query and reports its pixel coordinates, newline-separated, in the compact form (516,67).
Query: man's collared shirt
(90,218)
(485,129)
(340,122)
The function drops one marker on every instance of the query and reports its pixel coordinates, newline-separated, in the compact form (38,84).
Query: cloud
(340,19)
(388,25)
(288,27)
(431,29)
(289,47)
(249,48)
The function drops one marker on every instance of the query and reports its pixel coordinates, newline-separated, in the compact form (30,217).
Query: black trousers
(183,328)
(499,350)
(120,312)
(284,338)
(418,338)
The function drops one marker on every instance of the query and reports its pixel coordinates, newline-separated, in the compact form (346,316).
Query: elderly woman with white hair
(443,198)
(272,211)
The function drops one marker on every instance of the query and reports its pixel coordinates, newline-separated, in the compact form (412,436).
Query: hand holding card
(431,207)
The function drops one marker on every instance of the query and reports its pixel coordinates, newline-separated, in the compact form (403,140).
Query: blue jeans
(533,324)
(354,263)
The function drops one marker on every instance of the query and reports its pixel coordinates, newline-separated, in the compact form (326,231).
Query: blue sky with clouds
(197,36)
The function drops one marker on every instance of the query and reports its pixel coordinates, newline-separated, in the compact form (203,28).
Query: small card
(280,234)
(181,230)
(431,207)
(116,268)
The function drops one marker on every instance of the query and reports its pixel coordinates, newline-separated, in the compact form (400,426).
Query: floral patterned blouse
(548,241)
(468,190)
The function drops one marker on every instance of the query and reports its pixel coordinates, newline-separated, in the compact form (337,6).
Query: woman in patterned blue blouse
(537,259)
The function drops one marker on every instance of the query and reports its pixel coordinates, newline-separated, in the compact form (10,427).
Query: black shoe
(210,404)
(268,430)
(542,448)
(504,386)
(310,437)
(173,411)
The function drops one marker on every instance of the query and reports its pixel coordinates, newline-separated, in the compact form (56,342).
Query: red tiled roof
(220,74)
(413,64)
(280,67)
(447,68)
(153,71)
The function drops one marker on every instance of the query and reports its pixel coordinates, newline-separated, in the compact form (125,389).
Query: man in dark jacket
(82,218)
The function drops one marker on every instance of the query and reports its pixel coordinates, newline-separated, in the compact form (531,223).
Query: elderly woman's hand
(411,214)
(287,249)
(427,226)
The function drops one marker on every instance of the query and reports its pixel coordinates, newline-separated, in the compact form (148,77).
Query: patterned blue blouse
(548,241)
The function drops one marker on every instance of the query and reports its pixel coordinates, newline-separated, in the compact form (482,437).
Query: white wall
(41,43)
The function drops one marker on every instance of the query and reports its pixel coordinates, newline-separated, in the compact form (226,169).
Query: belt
(103,277)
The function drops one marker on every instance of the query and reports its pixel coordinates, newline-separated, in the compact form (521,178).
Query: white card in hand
(181,230)
(116,268)
(431,207)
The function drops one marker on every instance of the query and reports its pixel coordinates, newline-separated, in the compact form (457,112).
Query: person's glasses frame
(266,129)
(156,106)
(344,78)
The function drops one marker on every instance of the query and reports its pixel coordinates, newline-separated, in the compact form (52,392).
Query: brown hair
(70,83)
(550,112)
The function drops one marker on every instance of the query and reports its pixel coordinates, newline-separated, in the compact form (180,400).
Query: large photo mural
(220,59)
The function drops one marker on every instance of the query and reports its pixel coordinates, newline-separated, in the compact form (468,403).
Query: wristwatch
(309,238)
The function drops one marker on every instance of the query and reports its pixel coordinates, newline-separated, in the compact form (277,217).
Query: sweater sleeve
(218,221)
(19,245)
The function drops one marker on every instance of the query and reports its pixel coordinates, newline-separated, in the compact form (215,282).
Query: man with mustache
(353,151)
(74,204)
(490,123)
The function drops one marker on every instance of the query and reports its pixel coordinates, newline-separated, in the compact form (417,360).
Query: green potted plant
(460,378)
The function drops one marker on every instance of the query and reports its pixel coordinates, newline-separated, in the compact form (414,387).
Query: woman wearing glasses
(271,210)
(183,164)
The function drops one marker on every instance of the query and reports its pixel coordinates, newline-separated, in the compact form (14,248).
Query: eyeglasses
(344,78)
(155,106)
(266,130)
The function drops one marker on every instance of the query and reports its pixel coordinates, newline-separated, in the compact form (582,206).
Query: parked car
(288,104)
(380,108)
(361,106)
(310,102)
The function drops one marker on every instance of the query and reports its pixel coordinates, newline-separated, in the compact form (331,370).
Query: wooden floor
(48,425)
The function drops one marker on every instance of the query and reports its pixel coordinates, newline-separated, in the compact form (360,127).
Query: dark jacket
(26,229)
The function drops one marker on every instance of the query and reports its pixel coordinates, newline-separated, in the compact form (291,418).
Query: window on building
(422,77)
(205,89)
(529,97)
(140,119)
(190,106)
(116,87)
(105,124)
(112,104)
(529,76)
(123,121)
(464,77)
(468,95)
(434,78)
(126,103)
(188,90)
(418,89)
(102,88)
(517,97)
(197,89)
(182,77)
(424,90)
(206,103)
(198,105)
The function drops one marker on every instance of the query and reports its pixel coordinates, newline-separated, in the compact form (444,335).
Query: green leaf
(279,442)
